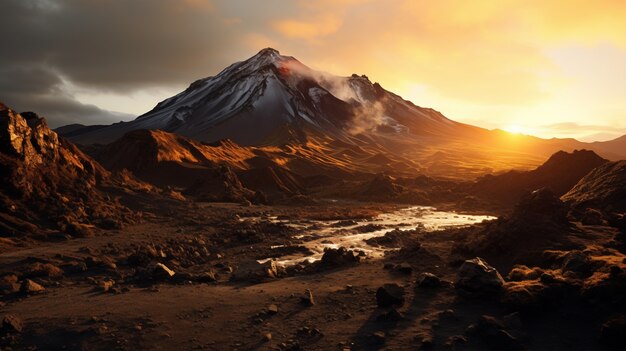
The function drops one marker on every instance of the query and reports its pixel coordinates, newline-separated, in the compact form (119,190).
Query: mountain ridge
(275,100)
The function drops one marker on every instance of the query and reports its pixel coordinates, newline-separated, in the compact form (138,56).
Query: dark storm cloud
(40,90)
(117,46)
(114,44)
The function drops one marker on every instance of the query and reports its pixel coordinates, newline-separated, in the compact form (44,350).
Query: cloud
(489,60)
(116,45)
(40,90)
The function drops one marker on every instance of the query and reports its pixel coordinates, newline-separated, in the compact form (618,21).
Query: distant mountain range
(274,100)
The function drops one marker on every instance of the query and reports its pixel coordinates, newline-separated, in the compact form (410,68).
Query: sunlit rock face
(44,178)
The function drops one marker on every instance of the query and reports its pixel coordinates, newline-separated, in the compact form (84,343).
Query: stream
(317,235)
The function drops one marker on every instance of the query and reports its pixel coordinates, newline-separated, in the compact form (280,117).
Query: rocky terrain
(320,236)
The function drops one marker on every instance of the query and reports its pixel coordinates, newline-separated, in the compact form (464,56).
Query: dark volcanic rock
(539,222)
(253,271)
(559,173)
(476,277)
(492,333)
(339,257)
(603,188)
(428,280)
(592,217)
(11,324)
(307,298)
(389,295)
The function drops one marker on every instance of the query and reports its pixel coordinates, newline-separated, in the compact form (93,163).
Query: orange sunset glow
(273,175)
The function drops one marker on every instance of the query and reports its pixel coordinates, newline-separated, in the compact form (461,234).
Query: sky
(547,68)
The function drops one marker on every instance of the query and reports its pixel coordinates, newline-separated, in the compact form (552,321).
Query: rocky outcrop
(539,222)
(47,181)
(603,188)
(559,173)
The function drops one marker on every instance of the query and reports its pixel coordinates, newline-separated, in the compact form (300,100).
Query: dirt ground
(75,312)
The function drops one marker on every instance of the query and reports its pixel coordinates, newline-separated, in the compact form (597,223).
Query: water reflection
(352,234)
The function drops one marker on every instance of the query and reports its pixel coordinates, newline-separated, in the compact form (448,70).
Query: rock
(106,285)
(272,309)
(404,268)
(521,272)
(476,277)
(79,230)
(252,270)
(74,267)
(378,337)
(46,270)
(307,298)
(578,262)
(613,333)
(592,217)
(8,284)
(491,332)
(12,324)
(389,295)
(339,257)
(110,224)
(391,316)
(30,287)
(160,271)
(428,280)
(206,277)
(425,338)
(529,295)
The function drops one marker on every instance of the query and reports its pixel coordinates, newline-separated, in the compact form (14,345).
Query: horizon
(488,65)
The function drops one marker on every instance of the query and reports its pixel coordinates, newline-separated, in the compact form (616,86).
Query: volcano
(275,100)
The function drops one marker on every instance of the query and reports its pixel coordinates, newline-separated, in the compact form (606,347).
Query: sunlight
(517,129)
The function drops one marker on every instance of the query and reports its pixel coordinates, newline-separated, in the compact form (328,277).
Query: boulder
(428,280)
(8,284)
(526,296)
(254,271)
(339,257)
(11,324)
(106,285)
(521,272)
(30,287)
(46,270)
(592,217)
(404,268)
(389,295)
(272,309)
(476,277)
(491,333)
(206,277)
(578,262)
(307,298)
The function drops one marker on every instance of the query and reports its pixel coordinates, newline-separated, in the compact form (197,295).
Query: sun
(516,129)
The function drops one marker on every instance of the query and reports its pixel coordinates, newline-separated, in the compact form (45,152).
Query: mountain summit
(275,99)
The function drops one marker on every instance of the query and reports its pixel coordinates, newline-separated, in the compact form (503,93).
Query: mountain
(603,188)
(275,100)
(559,173)
(47,182)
